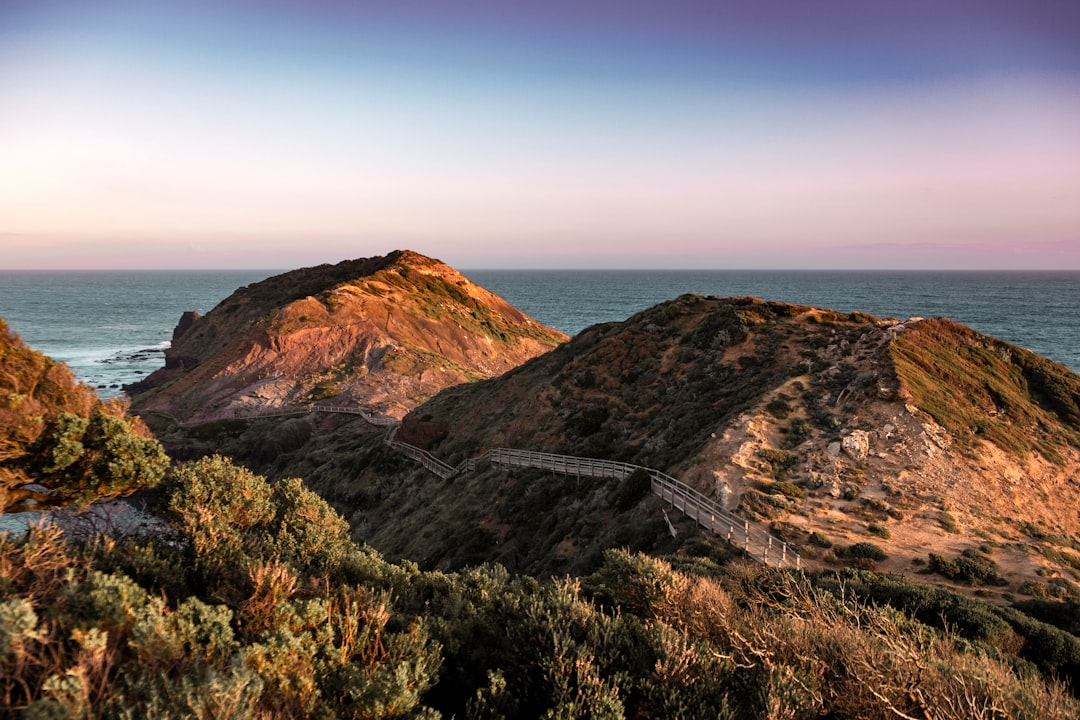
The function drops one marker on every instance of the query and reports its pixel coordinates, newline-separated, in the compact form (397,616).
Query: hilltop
(383,332)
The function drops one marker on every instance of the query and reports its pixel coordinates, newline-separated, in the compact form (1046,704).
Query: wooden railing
(751,539)
(373,419)
(754,541)
(429,461)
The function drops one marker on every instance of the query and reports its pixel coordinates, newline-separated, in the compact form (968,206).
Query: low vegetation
(255,604)
(59,444)
(981,388)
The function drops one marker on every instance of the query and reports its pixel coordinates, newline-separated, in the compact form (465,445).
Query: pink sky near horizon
(232,135)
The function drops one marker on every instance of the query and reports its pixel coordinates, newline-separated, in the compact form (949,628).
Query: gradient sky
(502,133)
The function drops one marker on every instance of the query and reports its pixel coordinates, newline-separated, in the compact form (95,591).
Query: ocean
(112,327)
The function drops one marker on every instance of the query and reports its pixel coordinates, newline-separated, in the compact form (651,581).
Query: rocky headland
(382,332)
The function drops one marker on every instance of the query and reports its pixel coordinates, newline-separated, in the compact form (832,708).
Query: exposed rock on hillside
(832,429)
(383,332)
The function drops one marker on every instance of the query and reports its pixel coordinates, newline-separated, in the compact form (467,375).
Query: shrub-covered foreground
(257,605)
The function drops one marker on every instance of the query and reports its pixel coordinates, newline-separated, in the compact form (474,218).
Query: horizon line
(562,269)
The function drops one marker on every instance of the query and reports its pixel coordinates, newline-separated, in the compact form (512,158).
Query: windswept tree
(55,433)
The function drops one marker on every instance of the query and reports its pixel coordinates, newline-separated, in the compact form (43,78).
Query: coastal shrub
(1062,614)
(777,459)
(33,389)
(779,408)
(878,529)
(85,458)
(799,430)
(788,490)
(234,519)
(971,566)
(588,420)
(867,551)
(948,522)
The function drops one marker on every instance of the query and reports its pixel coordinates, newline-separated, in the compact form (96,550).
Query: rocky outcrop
(385,332)
(188,319)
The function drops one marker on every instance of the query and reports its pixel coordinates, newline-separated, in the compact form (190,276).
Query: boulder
(856,445)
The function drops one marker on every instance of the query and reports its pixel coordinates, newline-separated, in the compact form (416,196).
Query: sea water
(112,327)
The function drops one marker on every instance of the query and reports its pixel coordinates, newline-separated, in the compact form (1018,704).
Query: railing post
(746,537)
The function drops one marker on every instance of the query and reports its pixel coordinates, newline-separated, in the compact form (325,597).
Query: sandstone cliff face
(385,333)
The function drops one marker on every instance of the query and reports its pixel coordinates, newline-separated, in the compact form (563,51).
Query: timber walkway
(751,539)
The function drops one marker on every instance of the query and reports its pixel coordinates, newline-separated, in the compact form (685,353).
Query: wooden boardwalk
(748,537)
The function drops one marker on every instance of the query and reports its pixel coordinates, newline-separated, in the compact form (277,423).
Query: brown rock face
(383,332)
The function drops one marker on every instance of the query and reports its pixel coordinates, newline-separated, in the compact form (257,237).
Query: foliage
(867,551)
(948,522)
(234,519)
(257,632)
(778,459)
(100,456)
(278,615)
(56,433)
(971,566)
(632,489)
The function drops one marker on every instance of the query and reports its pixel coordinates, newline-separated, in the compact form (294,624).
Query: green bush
(632,489)
(948,522)
(878,529)
(85,458)
(778,459)
(779,408)
(789,490)
(971,566)
(233,517)
(867,551)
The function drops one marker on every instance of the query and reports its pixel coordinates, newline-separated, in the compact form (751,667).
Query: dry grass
(830,655)
(980,388)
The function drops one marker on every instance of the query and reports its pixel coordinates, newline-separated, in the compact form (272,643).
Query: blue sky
(829,134)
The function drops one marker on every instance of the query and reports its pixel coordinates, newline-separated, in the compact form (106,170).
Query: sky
(834,134)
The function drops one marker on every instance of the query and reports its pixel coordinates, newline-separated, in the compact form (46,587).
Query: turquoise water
(111,327)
